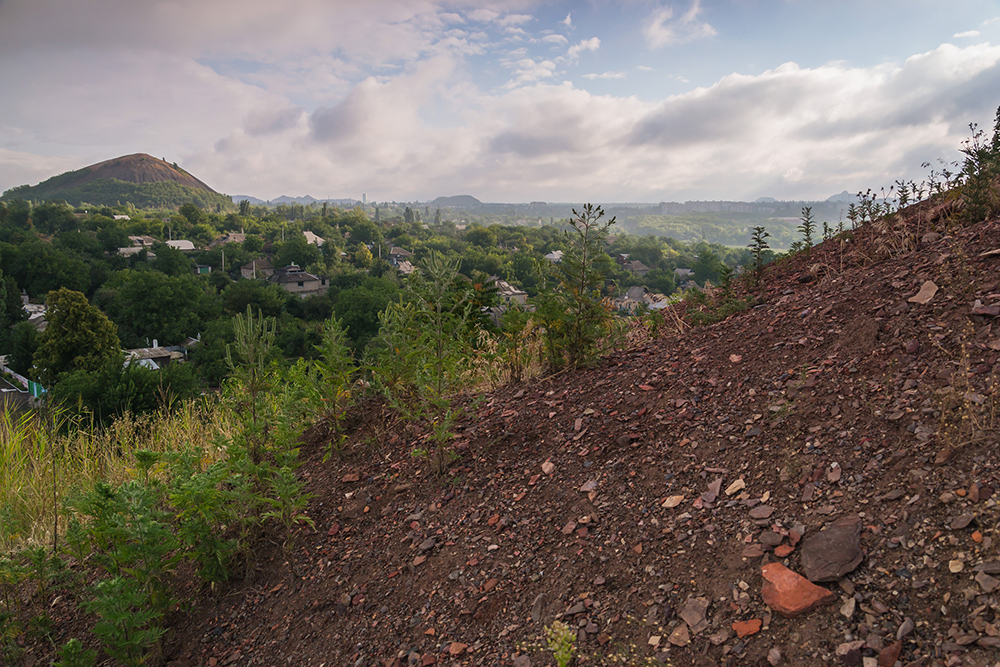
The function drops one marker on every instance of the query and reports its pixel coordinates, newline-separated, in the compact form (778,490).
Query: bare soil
(835,395)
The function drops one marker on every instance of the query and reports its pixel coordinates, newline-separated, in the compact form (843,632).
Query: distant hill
(140,179)
(306,200)
(458,201)
(844,197)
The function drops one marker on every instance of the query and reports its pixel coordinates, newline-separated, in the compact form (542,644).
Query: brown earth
(678,469)
(135,168)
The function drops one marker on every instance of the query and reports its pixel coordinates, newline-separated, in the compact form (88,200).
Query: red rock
(888,656)
(351,477)
(791,594)
(744,628)
(427,660)
(783,550)
(457,648)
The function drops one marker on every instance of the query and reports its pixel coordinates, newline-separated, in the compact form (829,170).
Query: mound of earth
(140,179)
(671,504)
(135,168)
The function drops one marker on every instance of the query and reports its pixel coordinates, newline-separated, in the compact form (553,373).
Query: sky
(513,101)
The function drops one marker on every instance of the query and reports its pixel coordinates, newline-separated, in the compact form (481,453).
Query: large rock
(791,594)
(834,551)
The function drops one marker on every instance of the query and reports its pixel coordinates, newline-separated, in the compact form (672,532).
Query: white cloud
(568,21)
(662,29)
(555,39)
(592,44)
(515,20)
(967,33)
(605,75)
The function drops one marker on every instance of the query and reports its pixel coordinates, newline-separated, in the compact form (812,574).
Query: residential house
(231,237)
(181,244)
(202,269)
(315,240)
(555,256)
(682,275)
(638,296)
(507,292)
(405,268)
(142,241)
(154,358)
(298,282)
(397,255)
(258,269)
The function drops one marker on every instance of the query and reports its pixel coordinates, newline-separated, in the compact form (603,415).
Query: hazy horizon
(515,101)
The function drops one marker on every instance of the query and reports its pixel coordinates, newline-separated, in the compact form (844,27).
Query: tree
(758,246)
(78,337)
(148,304)
(807,228)
(578,324)
(244,207)
(23,343)
(363,256)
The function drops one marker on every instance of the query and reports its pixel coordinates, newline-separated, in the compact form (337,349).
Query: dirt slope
(641,501)
(837,396)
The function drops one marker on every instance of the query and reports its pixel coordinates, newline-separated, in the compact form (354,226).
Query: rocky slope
(671,504)
(664,504)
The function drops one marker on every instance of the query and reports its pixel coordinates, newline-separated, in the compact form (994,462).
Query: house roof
(635,266)
(181,244)
(400,252)
(291,274)
(314,239)
(262,264)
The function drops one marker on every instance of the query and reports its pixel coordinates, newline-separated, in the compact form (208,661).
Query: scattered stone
(680,636)
(719,638)
(752,551)
(588,487)
(457,648)
(673,501)
(926,293)
(956,566)
(888,656)
(738,485)
(791,594)
(745,628)
(536,608)
(961,521)
(770,538)
(846,648)
(427,544)
(693,613)
(905,628)
(774,656)
(350,477)
(847,609)
(548,467)
(834,551)
(987,583)
(783,550)
(522,661)
(761,512)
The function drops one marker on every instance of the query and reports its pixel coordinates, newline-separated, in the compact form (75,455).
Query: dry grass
(41,461)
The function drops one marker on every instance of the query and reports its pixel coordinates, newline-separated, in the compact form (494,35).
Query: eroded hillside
(642,501)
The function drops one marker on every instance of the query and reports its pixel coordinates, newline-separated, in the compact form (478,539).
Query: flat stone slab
(791,594)
(834,551)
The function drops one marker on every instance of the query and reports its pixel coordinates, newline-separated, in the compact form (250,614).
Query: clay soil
(611,497)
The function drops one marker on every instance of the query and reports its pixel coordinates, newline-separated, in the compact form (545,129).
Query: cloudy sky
(520,100)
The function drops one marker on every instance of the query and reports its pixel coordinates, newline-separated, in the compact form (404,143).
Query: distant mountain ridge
(140,179)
